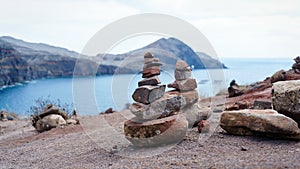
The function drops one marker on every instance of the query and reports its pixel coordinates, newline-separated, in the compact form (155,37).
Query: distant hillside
(22,61)
(37,48)
(167,50)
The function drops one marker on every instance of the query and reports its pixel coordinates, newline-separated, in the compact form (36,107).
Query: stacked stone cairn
(160,116)
(186,87)
(296,65)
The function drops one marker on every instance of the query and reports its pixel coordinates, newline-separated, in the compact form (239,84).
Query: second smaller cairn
(186,87)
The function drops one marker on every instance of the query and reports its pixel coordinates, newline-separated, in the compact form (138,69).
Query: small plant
(46,106)
(42,103)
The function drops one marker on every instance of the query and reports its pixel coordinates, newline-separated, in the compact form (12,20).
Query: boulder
(147,94)
(149,81)
(152,71)
(162,107)
(182,75)
(157,132)
(50,121)
(194,114)
(184,85)
(259,122)
(278,76)
(286,98)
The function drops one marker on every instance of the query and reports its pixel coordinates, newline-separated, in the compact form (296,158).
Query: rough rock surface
(162,107)
(239,105)
(286,98)
(190,97)
(181,75)
(259,122)
(262,104)
(148,94)
(50,121)
(278,76)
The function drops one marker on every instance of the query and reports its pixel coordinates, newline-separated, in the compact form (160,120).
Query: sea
(92,95)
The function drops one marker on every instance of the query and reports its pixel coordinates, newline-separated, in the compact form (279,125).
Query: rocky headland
(22,61)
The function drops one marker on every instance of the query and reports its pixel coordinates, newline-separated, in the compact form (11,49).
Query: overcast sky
(236,28)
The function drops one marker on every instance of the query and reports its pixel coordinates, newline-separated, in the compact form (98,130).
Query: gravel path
(72,147)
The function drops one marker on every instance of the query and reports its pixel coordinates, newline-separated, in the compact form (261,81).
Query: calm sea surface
(95,94)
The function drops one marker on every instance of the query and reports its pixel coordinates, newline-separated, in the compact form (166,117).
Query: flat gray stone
(147,94)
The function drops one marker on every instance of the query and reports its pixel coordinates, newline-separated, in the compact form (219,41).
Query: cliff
(23,61)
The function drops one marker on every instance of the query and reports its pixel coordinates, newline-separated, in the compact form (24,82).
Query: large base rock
(194,114)
(50,121)
(147,94)
(259,122)
(158,132)
(162,107)
(286,98)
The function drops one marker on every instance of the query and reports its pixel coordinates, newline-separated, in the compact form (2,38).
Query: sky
(235,28)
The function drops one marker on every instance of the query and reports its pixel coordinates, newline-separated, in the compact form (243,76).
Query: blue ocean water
(116,90)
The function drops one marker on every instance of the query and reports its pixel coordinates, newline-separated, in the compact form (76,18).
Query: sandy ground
(99,143)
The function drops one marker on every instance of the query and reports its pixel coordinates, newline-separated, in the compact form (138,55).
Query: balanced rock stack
(149,89)
(296,66)
(157,120)
(186,87)
(163,117)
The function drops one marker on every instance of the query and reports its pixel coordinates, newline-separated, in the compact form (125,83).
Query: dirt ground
(99,143)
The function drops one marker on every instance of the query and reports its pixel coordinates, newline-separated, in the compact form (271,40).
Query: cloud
(255,28)
(53,21)
(258,36)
